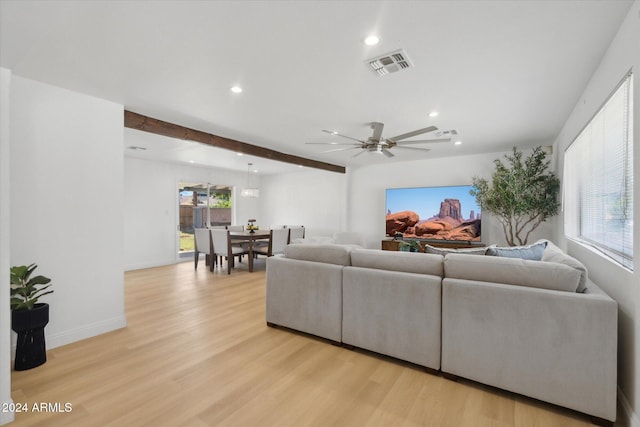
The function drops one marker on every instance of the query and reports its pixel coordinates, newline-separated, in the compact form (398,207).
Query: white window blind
(598,179)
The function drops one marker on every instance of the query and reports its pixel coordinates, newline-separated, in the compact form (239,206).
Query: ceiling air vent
(390,63)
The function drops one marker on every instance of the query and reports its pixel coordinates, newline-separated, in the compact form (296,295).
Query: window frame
(573,210)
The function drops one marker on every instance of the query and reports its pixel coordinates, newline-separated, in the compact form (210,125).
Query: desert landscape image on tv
(438,213)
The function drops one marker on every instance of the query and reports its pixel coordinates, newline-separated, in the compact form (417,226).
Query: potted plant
(521,195)
(28,316)
(410,246)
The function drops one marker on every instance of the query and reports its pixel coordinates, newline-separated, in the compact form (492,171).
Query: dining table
(250,237)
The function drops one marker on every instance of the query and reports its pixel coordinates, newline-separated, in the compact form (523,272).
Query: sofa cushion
(513,271)
(532,252)
(409,262)
(552,253)
(330,254)
(443,251)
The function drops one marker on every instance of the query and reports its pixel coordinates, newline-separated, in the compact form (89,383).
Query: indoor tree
(521,194)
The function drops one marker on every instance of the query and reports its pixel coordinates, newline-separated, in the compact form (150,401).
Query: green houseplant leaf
(26,290)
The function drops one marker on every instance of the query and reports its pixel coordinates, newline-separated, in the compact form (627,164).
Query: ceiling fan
(376,144)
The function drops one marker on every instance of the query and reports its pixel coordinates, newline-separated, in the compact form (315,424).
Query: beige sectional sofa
(511,323)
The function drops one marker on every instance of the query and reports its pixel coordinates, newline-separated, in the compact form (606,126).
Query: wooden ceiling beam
(149,124)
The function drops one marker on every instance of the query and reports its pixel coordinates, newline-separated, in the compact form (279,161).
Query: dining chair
(222,248)
(237,228)
(295,232)
(278,239)
(262,244)
(203,245)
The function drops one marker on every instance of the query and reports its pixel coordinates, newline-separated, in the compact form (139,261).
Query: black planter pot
(29,324)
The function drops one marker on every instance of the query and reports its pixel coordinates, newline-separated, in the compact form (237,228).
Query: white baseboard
(86,331)
(631,417)
(81,333)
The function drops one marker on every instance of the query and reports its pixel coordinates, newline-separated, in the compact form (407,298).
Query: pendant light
(249,191)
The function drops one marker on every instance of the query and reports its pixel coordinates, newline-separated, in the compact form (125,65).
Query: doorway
(201,205)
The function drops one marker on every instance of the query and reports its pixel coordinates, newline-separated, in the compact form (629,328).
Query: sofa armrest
(559,347)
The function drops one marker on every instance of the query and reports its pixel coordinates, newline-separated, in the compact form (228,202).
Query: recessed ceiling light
(433,114)
(192,161)
(458,143)
(236,89)
(371,40)
(240,154)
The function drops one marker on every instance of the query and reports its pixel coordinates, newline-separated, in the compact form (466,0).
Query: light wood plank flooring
(196,352)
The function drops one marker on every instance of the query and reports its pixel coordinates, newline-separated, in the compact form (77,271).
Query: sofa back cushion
(513,271)
(329,254)
(552,253)
(409,262)
(444,251)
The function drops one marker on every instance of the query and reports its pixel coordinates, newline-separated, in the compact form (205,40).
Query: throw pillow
(532,252)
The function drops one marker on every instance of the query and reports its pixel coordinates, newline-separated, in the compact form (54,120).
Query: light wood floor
(196,352)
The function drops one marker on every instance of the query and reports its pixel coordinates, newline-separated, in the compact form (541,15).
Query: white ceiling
(502,73)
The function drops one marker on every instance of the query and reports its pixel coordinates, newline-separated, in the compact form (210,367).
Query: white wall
(310,197)
(367,192)
(622,285)
(5,262)
(66,204)
(151,213)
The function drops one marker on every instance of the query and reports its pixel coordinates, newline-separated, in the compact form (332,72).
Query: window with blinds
(598,179)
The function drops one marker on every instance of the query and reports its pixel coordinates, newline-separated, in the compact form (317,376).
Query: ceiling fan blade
(377,130)
(412,148)
(343,136)
(387,152)
(424,141)
(414,133)
(357,154)
(332,143)
(340,149)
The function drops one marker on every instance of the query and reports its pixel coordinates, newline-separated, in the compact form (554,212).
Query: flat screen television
(433,213)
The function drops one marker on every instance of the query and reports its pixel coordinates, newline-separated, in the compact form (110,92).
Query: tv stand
(394,245)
